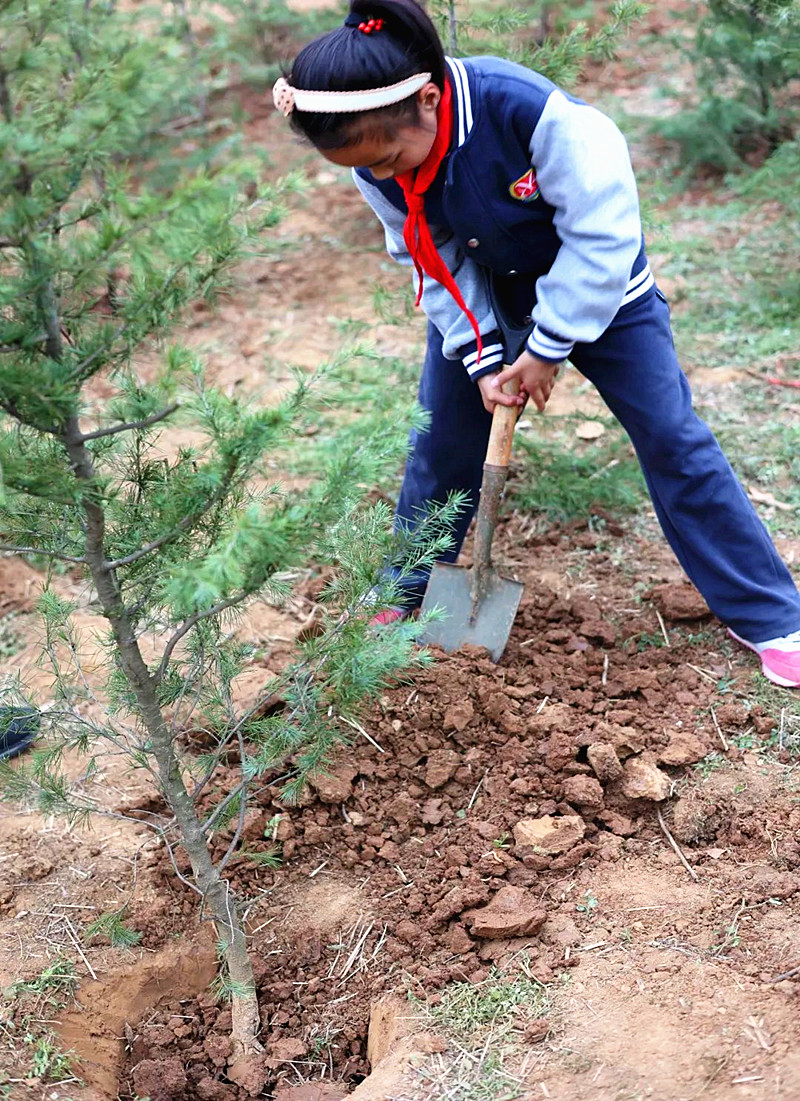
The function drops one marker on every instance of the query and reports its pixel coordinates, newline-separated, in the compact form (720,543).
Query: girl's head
(401,44)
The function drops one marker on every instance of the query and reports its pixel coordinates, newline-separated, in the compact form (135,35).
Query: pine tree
(99,254)
(543,36)
(745,53)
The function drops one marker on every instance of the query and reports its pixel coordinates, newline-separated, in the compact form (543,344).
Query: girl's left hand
(536,378)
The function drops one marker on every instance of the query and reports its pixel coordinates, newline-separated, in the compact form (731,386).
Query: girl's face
(407,147)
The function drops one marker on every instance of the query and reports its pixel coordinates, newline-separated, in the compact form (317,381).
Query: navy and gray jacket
(571,227)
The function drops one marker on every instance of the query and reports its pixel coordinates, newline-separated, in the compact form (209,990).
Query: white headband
(288,99)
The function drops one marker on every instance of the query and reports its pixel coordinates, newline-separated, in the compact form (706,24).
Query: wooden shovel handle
(501,437)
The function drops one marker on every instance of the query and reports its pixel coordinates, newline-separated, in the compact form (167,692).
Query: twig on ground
(702,672)
(474,796)
(786,974)
(542,705)
(663,628)
(719,730)
(675,845)
(70,929)
(361,730)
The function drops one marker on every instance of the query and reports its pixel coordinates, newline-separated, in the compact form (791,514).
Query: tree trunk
(215,890)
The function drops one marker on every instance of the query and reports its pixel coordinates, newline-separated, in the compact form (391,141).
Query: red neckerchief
(416,232)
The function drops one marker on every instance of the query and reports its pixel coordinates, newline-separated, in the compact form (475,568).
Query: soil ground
(654,982)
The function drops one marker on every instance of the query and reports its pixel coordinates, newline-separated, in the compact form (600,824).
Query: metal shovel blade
(450,588)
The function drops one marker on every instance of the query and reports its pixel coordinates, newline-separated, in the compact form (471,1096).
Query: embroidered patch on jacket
(526,188)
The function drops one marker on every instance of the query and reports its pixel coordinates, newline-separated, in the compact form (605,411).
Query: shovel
(480,604)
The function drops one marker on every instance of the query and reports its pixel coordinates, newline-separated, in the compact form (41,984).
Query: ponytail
(347,60)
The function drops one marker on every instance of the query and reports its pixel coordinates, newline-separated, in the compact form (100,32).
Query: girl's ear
(429,97)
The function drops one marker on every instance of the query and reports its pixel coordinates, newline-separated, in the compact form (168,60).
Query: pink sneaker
(780,658)
(389,615)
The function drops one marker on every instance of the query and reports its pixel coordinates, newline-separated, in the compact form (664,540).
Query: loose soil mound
(407,866)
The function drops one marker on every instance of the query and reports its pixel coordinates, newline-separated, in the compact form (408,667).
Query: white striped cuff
(548,347)
(491,356)
(638,286)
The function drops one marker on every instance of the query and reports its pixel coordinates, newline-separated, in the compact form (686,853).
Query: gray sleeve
(584,170)
(439,305)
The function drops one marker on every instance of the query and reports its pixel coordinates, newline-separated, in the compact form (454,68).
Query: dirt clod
(683,748)
(605,762)
(642,779)
(251,1073)
(549,834)
(680,601)
(160,1080)
(583,791)
(513,912)
(335,787)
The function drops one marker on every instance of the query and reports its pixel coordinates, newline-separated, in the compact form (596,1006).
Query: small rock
(683,748)
(642,779)
(583,791)
(512,912)
(337,786)
(441,767)
(605,762)
(551,835)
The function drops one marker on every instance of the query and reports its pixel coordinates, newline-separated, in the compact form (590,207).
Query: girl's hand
(493,396)
(536,378)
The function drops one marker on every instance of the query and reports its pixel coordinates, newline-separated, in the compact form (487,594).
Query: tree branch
(4,547)
(129,426)
(242,810)
(192,621)
(186,523)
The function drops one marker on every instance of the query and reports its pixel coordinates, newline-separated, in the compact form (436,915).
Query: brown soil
(387,863)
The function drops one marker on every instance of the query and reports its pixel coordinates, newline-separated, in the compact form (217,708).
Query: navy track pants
(705,514)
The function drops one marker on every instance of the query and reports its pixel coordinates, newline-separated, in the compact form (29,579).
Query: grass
(36,1047)
(564,478)
(53,986)
(485,1024)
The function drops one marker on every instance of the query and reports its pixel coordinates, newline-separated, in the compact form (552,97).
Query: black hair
(347,60)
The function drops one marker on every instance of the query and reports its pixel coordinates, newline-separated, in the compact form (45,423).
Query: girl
(516,205)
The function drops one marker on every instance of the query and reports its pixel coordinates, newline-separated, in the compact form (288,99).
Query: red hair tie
(371,25)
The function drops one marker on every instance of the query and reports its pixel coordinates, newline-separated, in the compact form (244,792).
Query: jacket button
(513,271)
(473,242)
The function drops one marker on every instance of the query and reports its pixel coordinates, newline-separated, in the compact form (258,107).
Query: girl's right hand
(491,396)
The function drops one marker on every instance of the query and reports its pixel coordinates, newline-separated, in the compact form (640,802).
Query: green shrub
(744,54)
